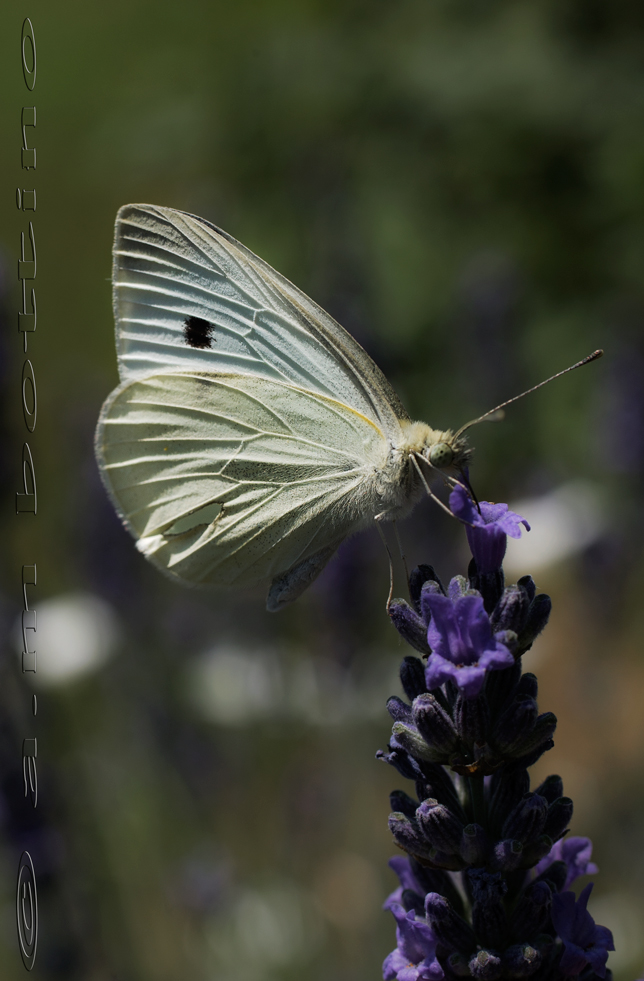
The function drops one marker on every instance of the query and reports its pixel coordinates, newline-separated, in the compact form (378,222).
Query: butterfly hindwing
(227,478)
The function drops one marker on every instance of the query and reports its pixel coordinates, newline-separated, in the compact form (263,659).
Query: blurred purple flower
(462,643)
(575,852)
(488,538)
(414,958)
(584,941)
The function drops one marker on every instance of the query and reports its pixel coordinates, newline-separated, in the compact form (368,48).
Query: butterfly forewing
(176,277)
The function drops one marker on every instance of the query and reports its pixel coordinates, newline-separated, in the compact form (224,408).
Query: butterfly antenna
(496,414)
(391,564)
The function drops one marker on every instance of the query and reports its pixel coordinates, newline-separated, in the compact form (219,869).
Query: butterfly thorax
(398,484)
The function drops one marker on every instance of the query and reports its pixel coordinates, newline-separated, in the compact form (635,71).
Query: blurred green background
(461,184)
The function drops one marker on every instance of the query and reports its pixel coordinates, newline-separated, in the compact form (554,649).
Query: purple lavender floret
(492,524)
(463,646)
(402,867)
(575,852)
(414,958)
(584,941)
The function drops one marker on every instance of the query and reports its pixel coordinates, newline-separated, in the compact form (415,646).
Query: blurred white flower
(263,931)
(232,686)
(75,634)
(563,523)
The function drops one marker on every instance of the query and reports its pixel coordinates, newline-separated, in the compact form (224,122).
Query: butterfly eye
(441,455)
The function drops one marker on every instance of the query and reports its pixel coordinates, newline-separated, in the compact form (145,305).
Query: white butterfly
(250,433)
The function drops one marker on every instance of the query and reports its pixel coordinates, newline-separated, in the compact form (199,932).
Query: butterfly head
(442,455)
(445,450)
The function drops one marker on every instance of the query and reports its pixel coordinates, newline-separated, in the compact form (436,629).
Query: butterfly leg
(414,459)
(378,518)
(402,552)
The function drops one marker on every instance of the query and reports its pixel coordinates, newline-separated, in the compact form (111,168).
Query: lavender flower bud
(449,928)
(412,676)
(411,900)
(555,876)
(400,801)
(417,579)
(526,821)
(521,961)
(449,861)
(535,754)
(559,817)
(535,851)
(399,710)
(430,588)
(488,912)
(551,788)
(472,719)
(528,685)
(538,616)
(519,719)
(509,638)
(486,966)
(488,584)
(508,786)
(436,782)
(475,844)
(409,739)
(435,880)
(440,827)
(538,739)
(532,911)
(528,583)
(500,686)
(407,766)
(511,612)
(408,835)
(434,724)
(506,855)
(409,624)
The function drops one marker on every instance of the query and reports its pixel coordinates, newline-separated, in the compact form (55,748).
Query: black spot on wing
(198,332)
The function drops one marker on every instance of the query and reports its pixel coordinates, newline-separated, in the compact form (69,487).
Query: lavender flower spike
(414,958)
(487,858)
(463,646)
(488,538)
(584,941)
